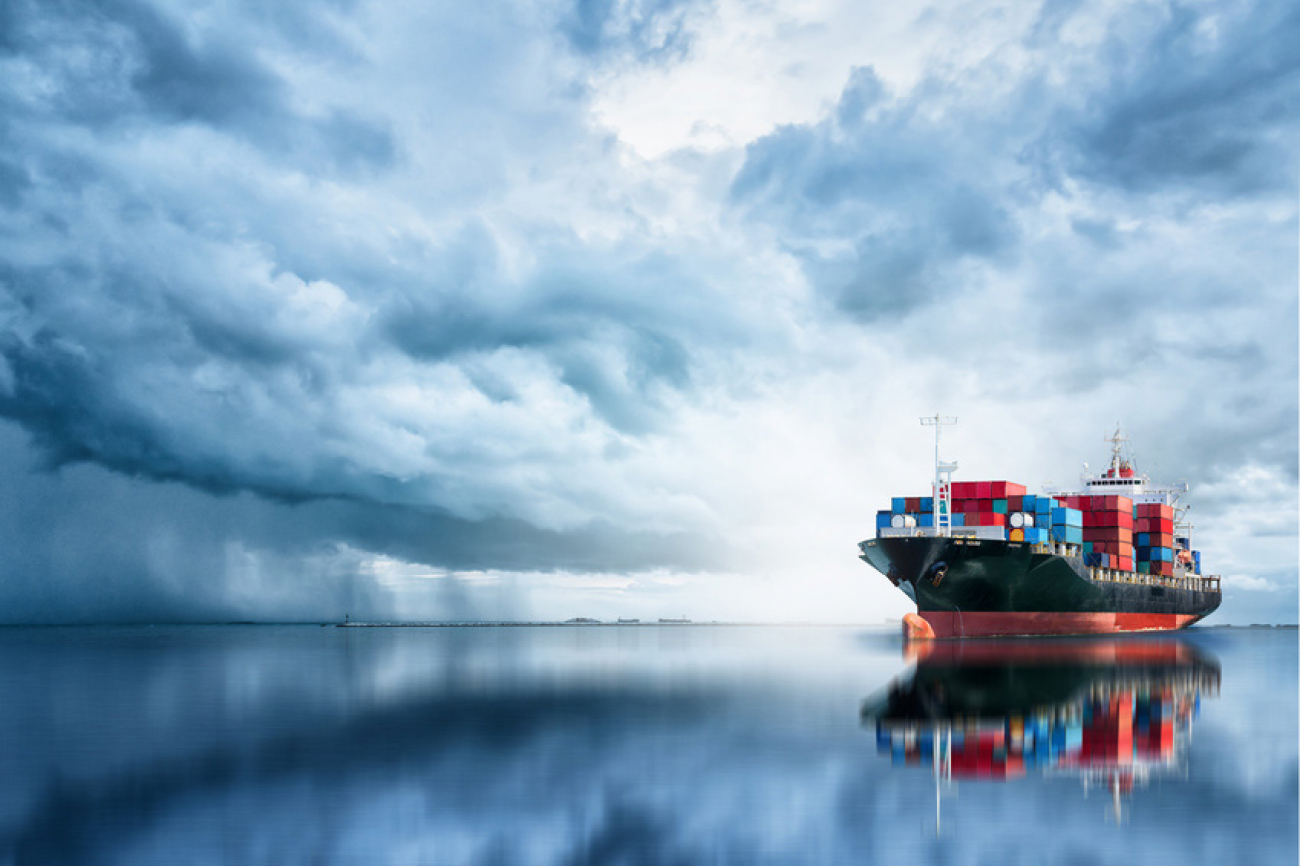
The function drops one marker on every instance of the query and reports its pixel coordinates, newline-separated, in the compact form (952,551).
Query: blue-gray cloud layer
(327,276)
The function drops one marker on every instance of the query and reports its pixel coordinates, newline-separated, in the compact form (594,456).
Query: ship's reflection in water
(1115,713)
(636,745)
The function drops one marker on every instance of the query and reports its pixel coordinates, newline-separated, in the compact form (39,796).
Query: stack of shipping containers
(1155,539)
(1107,530)
(1113,533)
(1004,504)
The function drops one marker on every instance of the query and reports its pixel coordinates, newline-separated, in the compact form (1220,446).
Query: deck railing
(1194,582)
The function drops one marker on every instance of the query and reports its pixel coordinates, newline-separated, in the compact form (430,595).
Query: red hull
(988,624)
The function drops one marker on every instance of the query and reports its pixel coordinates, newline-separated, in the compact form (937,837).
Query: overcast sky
(548,309)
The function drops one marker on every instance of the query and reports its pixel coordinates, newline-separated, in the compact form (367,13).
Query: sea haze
(628,744)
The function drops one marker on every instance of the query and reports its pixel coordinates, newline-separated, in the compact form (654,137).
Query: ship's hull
(970,588)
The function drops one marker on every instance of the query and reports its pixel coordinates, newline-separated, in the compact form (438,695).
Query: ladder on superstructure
(942,477)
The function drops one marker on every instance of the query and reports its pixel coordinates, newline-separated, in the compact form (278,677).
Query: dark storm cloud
(580,304)
(205,280)
(1203,96)
(877,202)
(85,543)
(123,65)
(13,181)
(888,198)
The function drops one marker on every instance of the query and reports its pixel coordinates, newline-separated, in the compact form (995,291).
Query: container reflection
(1115,713)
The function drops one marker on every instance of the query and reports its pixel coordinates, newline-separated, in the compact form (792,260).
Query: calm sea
(643,744)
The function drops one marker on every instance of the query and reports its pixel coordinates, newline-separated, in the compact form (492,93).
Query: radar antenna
(942,477)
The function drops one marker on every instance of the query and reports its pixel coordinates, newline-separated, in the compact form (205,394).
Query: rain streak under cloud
(620,307)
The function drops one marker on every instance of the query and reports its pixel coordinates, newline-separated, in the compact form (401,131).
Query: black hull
(963,585)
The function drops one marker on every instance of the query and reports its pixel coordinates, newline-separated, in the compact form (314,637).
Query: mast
(942,477)
(1116,441)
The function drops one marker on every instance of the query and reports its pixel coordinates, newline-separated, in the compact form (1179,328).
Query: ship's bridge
(1121,478)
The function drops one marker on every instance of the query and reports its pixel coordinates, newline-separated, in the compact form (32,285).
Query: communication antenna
(942,476)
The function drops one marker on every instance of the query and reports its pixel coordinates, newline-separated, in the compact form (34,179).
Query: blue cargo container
(958,520)
(883,519)
(925,520)
(1028,502)
(1162,554)
(927,503)
(1067,534)
(1043,505)
(1067,517)
(898,504)
(1143,539)
(1035,535)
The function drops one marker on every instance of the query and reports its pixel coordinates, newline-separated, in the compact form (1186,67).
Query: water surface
(642,744)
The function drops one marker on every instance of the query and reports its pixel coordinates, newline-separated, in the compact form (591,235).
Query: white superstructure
(1123,479)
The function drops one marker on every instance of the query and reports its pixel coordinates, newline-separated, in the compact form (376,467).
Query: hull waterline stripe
(995,624)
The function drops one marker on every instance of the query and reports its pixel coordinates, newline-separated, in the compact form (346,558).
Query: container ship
(988,559)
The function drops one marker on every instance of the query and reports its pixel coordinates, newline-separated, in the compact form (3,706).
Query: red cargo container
(983,490)
(1123,563)
(1015,503)
(1114,548)
(912,504)
(1112,534)
(1108,518)
(1160,539)
(1105,518)
(1155,509)
(1160,525)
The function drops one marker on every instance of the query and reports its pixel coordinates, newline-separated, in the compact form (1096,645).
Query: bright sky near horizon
(623,307)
